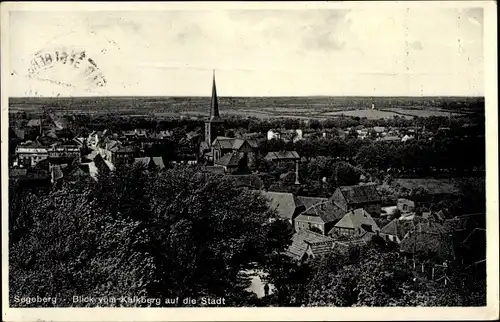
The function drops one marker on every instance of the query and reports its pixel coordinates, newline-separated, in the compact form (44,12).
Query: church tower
(214,126)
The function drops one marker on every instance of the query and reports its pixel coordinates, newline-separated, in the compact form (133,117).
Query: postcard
(249,161)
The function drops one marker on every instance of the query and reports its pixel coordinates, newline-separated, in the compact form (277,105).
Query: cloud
(263,51)
(325,31)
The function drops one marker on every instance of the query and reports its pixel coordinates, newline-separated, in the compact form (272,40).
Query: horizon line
(251,96)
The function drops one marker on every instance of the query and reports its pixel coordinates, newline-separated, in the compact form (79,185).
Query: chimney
(297,172)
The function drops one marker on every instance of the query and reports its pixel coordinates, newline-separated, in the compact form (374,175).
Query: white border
(268,314)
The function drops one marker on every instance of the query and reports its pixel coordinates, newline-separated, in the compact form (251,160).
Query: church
(231,153)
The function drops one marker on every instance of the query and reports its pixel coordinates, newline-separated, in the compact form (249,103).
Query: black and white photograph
(220,155)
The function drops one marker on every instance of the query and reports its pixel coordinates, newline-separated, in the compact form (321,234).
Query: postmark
(65,69)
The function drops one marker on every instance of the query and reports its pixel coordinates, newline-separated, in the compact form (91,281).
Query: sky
(397,51)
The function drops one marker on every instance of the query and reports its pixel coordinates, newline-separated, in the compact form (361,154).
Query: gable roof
(223,142)
(311,201)
(397,228)
(231,159)
(80,170)
(285,204)
(321,248)
(356,218)
(310,218)
(233,143)
(360,193)
(327,211)
(254,143)
(282,155)
(237,144)
(301,241)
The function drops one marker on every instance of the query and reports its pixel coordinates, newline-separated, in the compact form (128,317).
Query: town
(402,184)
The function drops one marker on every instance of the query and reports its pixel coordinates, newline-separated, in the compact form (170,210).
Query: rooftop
(360,193)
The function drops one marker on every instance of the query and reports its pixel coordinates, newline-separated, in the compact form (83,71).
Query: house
(322,216)
(320,248)
(273,135)
(282,157)
(359,196)
(99,165)
(302,241)
(123,154)
(95,138)
(30,155)
(388,211)
(354,224)
(428,238)
(67,151)
(298,135)
(224,145)
(405,205)
(31,178)
(379,129)
(308,202)
(286,205)
(407,138)
(396,230)
(231,162)
(362,134)
(78,172)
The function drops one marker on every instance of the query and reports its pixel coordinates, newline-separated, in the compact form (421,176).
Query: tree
(136,232)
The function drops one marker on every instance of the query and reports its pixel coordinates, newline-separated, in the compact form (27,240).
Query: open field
(262,107)
(442,185)
(368,113)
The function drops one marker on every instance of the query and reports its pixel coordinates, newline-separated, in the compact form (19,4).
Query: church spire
(214,105)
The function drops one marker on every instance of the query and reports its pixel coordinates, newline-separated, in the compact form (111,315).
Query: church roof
(214,104)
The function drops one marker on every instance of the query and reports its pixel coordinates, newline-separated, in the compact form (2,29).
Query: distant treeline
(86,123)
(176,104)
